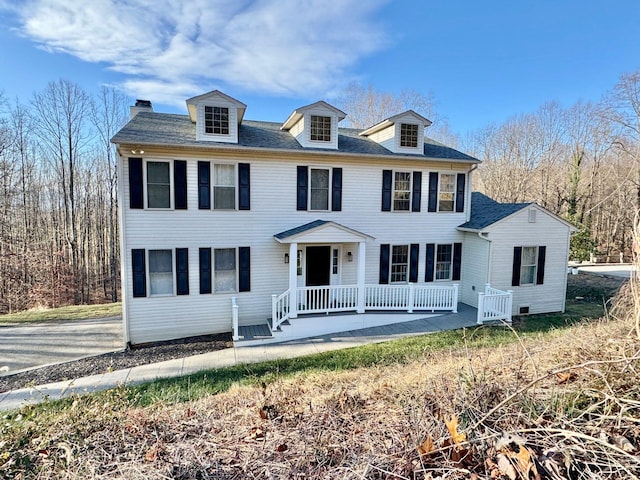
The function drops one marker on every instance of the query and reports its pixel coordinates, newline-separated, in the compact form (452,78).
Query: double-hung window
(320,128)
(216,120)
(224,186)
(399,264)
(158,185)
(528,265)
(160,272)
(401,191)
(409,135)
(224,275)
(447,193)
(319,188)
(444,259)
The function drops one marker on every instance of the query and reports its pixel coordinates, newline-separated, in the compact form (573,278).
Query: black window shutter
(384,263)
(303,185)
(430,262)
(413,262)
(244,184)
(336,190)
(433,191)
(460,192)
(417,190)
(204,185)
(205,270)
(244,254)
(386,190)
(139,272)
(542,255)
(180,184)
(182,271)
(136,194)
(517,262)
(457,261)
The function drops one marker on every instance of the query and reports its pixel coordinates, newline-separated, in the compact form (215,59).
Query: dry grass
(562,406)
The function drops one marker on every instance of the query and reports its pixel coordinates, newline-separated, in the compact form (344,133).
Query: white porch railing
(494,305)
(344,298)
(234,318)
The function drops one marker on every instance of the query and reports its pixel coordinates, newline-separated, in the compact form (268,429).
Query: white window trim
(148,273)
(535,265)
(455,180)
(408,264)
(213,186)
(393,190)
(435,264)
(330,189)
(213,270)
(146,185)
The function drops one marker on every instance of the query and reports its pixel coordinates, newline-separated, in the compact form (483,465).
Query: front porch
(386,325)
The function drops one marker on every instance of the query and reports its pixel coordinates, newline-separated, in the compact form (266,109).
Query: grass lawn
(73,312)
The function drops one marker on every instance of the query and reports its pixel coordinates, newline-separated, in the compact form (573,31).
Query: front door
(318,266)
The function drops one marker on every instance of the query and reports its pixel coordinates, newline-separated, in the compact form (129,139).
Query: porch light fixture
(349,257)
(286,258)
(137,151)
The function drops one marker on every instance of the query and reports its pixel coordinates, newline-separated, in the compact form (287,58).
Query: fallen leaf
(506,468)
(282,448)
(566,377)
(426,447)
(623,443)
(151,454)
(256,434)
(457,437)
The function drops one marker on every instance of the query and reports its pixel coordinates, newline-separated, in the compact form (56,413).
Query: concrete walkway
(466,317)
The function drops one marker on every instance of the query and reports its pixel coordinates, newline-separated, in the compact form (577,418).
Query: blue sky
(483,61)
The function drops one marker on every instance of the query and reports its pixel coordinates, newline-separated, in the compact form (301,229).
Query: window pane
(224,198)
(528,265)
(319,189)
(224,190)
(447,192)
(408,135)
(320,128)
(399,263)
(160,272)
(443,262)
(225,269)
(528,255)
(527,274)
(158,185)
(402,191)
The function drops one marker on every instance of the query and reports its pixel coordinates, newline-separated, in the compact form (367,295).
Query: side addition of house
(227,222)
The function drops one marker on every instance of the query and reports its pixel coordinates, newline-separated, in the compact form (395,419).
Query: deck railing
(494,305)
(344,298)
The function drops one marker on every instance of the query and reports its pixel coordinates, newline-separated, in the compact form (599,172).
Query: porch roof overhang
(322,231)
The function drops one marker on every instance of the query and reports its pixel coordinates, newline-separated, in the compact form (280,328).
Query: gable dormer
(217,116)
(315,126)
(402,133)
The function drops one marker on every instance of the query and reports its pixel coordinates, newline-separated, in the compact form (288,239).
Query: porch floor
(382,324)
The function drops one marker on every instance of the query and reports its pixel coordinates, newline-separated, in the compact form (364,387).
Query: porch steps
(257,332)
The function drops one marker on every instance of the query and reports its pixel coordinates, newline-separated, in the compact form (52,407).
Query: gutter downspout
(489,263)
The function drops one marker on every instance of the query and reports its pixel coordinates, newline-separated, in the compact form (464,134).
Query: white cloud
(169,50)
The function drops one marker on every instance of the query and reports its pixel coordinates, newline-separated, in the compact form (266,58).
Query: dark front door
(318,266)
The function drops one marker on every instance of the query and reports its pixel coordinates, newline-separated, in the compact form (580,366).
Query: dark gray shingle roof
(165,129)
(486,211)
(301,229)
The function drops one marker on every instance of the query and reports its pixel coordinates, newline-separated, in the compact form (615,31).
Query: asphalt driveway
(31,345)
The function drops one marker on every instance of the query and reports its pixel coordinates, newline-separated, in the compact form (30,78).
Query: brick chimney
(140,106)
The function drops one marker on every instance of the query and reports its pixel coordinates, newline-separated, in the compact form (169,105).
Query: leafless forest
(58,193)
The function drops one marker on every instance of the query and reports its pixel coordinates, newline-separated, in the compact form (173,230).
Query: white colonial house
(228,223)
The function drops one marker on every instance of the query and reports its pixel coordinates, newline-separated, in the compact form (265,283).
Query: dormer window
(320,128)
(216,120)
(409,135)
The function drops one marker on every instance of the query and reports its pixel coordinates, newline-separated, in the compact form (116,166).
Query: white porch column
(293,280)
(362,256)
